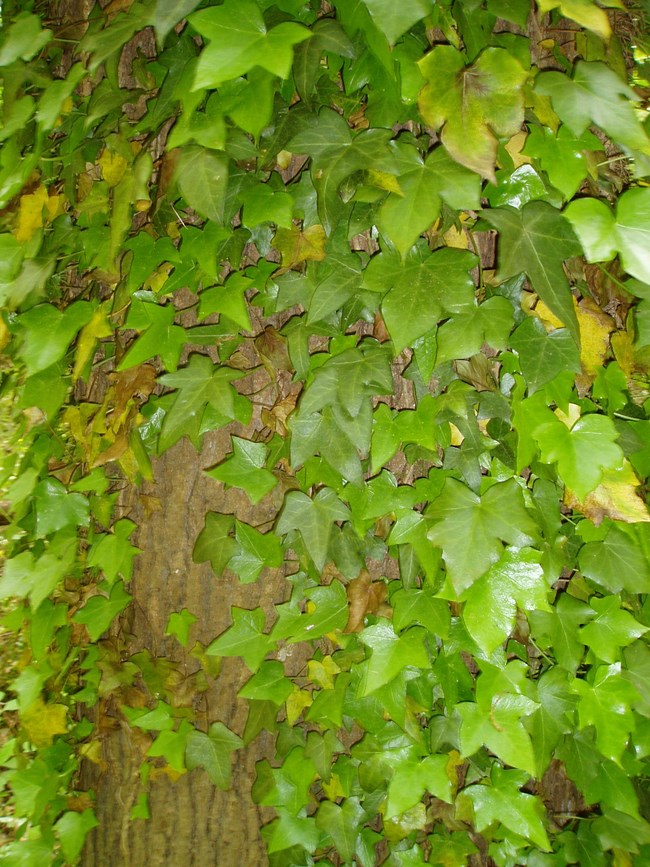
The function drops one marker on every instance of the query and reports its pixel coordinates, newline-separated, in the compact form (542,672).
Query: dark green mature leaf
(313,519)
(394,19)
(47,332)
(215,542)
(554,716)
(99,611)
(561,628)
(200,383)
(536,240)
(255,551)
(471,529)
(160,336)
(212,752)
(544,356)
(420,289)
(561,155)
(474,104)
(617,561)
(268,684)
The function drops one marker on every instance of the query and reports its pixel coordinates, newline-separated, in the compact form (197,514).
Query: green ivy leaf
(244,638)
(536,240)
(390,654)
(160,336)
(255,551)
(168,13)
(202,176)
(611,629)
(543,356)
(554,716)
(246,469)
(113,553)
(561,155)
(342,823)
(471,529)
(491,603)
(313,519)
(474,104)
(606,705)
(179,624)
(99,611)
(56,508)
(212,752)
(215,542)
(394,20)
(596,93)
(47,332)
(504,802)
(616,562)
(561,628)
(238,40)
(415,776)
(603,236)
(268,684)
(171,745)
(72,829)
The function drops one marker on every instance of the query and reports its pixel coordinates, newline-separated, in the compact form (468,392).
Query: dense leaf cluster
(458,437)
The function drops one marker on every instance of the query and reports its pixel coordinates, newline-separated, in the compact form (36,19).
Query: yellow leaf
(5,336)
(322,672)
(157,280)
(456,436)
(333,789)
(296,246)
(615,497)
(585,12)
(456,238)
(514,148)
(623,349)
(296,703)
(97,327)
(384,181)
(595,328)
(43,721)
(548,319)
(55,206)
(113,167)
(30,213)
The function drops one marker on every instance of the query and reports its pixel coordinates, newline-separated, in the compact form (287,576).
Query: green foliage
(422,234)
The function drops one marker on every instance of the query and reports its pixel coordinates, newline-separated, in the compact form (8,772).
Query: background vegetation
(386,265)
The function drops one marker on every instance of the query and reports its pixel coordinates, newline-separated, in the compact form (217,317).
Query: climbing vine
(401,251)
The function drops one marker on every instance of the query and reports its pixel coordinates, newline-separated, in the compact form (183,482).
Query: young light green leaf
(415,776)
(313,519)
(168,13)
(268,684)
(202,177)
(99,611)
(179,624)
(342,823)
(391,653)
(246,469)
(159,335)
(394,19)
(244,638)
(536,240)
(71,829)
(215,542)
(471,529)
(255,551)
(611,629)
(606,705)
(582,452)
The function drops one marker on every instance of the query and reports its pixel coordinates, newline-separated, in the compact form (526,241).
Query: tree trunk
(191,821)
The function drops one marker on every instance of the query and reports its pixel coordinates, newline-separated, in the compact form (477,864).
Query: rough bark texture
(192,822)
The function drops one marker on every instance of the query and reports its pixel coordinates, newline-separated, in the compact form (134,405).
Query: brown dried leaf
(364,597)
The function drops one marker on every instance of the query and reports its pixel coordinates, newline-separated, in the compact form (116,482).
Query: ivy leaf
(47,332)
(553,717)
(415,776)
(56,508)
(229,299)
(268,684)
(244,638)
(536,240)
(392,19)
(499,727)
(561,628)
(168,13)
(543,356)
(611,628)
(562,155)
(474,104)
(255,551)
(582,452)
(245,469)
(160,336)
(327,611)
(606,705)
(596,93)
(504,802)
(171,746)
(420,606)
(289,830)
(72,829)
(470,529)
(215,542)
(414,208)
(342,823)
(464,334)
(515,581)
(200,383)
(202,177)
(336,154)
(42,722)
(390,654)
(179,624)
(420,289)
(602,235)
(313,519)
(99,611)
(584,12)
(616,562)
(113,553)
(238,40)
(212,752)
